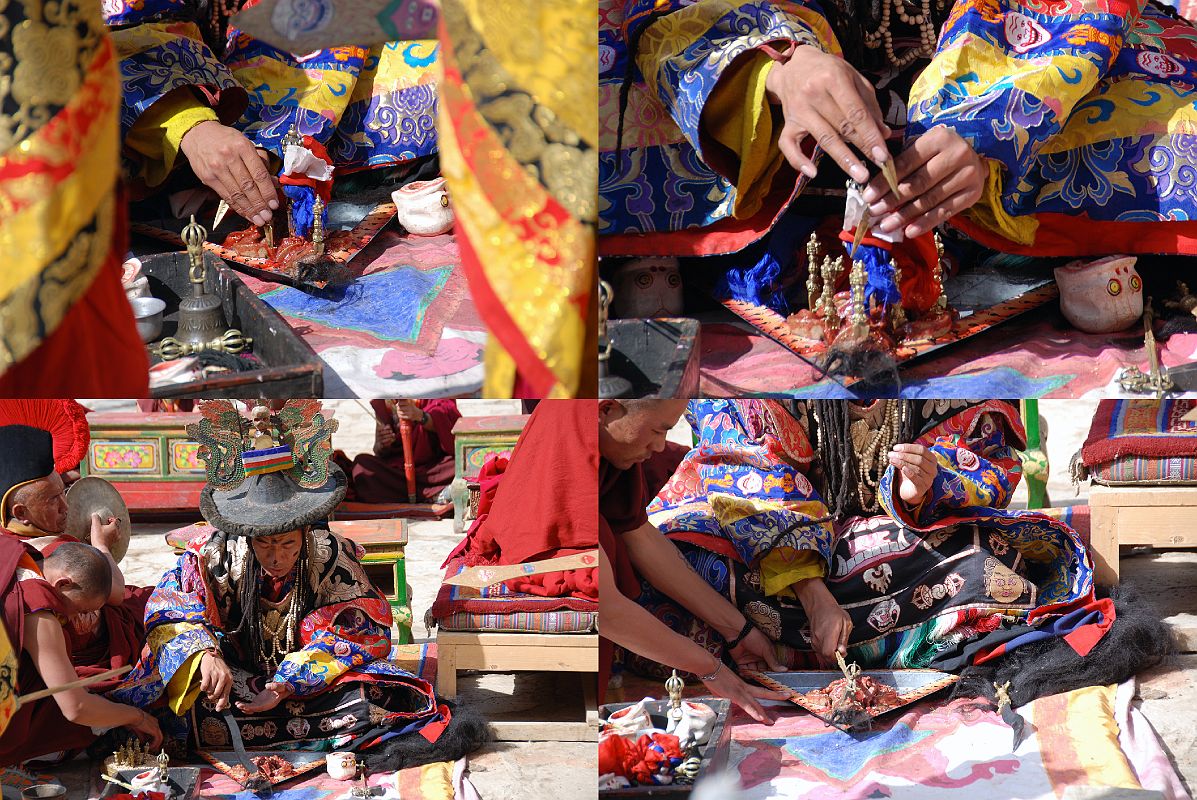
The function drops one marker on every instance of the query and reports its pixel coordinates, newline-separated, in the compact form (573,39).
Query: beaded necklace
(872,443)
(278,630)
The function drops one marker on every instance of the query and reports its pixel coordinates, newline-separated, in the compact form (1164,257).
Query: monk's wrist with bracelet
(741,636)
(714,674)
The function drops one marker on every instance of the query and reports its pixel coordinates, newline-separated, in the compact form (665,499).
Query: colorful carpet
(1088,738)
(406,327)
(1039,355)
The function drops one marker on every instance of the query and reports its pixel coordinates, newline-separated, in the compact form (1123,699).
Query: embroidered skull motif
(878,577)
(298,728)
(884,615)
(1002,583)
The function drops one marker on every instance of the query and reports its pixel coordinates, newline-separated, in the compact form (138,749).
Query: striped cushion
(1177,470)
(524,622)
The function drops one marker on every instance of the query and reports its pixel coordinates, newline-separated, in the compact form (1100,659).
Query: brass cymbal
(93,495)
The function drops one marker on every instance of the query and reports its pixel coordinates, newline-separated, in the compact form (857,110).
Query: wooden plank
(513,731)
(1162,526)
(458,638)
(1103,544)
(508,658)
(446,671)
(1149,496)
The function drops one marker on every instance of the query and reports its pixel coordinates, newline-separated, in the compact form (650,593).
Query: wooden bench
(1138,515)
(532,652)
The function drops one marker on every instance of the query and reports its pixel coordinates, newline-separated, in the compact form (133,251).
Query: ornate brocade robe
(1084,112)
(925,586)
(345,691)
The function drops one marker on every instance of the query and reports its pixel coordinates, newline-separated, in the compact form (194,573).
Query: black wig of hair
(467,731)
(1138,639)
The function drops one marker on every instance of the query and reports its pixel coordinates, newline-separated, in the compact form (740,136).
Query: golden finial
(675,686)
(318,226)
(856,280)
(813,290)
(941,263)
(831,273)
(194,237)
(897,314)
(293,137)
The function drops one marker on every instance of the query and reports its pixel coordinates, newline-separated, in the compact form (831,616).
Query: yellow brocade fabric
(785,566)
(739,117)
(58,168)
(184,686)
(158,133)
(518,130)
(8,680)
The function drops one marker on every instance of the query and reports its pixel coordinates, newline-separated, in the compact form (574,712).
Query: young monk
(632,551)
(74,580)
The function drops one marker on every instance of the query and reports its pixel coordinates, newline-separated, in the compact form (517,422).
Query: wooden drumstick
(409,467)
(79,684)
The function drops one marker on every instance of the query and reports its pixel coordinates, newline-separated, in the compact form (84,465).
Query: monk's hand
(216,680)
(916,471)
(729,685)
(147,730)
(104,532)
(408,410)
(384,436)
(268,698)
(830,625)
(939,176)
(824,98)
(228,163)
(756,652)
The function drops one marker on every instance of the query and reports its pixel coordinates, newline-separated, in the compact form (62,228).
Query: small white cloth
(302,161)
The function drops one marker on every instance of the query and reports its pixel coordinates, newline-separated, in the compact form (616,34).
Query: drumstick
(103,676)
(409,467)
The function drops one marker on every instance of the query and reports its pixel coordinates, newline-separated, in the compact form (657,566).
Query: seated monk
(270,618)
(33,508)
(382,477)
(73,580)
(554,470)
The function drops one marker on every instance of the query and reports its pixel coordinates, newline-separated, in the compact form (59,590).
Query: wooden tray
(291,368)
(982,296)
(365,217)
(714,753)
(659,356)
(911,685)
(304,762)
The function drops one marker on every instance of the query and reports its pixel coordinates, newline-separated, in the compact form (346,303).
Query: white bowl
(147,311)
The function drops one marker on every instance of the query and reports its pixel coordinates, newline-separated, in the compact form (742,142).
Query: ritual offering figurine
(306,178)
(894,296)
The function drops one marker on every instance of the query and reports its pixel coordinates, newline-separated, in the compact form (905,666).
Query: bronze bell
(200,317)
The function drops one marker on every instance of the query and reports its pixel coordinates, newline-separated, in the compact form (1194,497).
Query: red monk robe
(39,727)
(380,477)
(546,502)
(103,640)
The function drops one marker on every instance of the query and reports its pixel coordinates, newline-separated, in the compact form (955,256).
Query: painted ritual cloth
(545,503)
(1083,110)
(518,131)
(346,693)
(406,326)
(381,477)
(65,327)
(1037,355)
(1087,738)
(936,585)
(181,64)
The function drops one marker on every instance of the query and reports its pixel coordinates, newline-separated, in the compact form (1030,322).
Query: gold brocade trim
(548,48)
(535,136)
(34,310)
(55,230)
(536,266)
